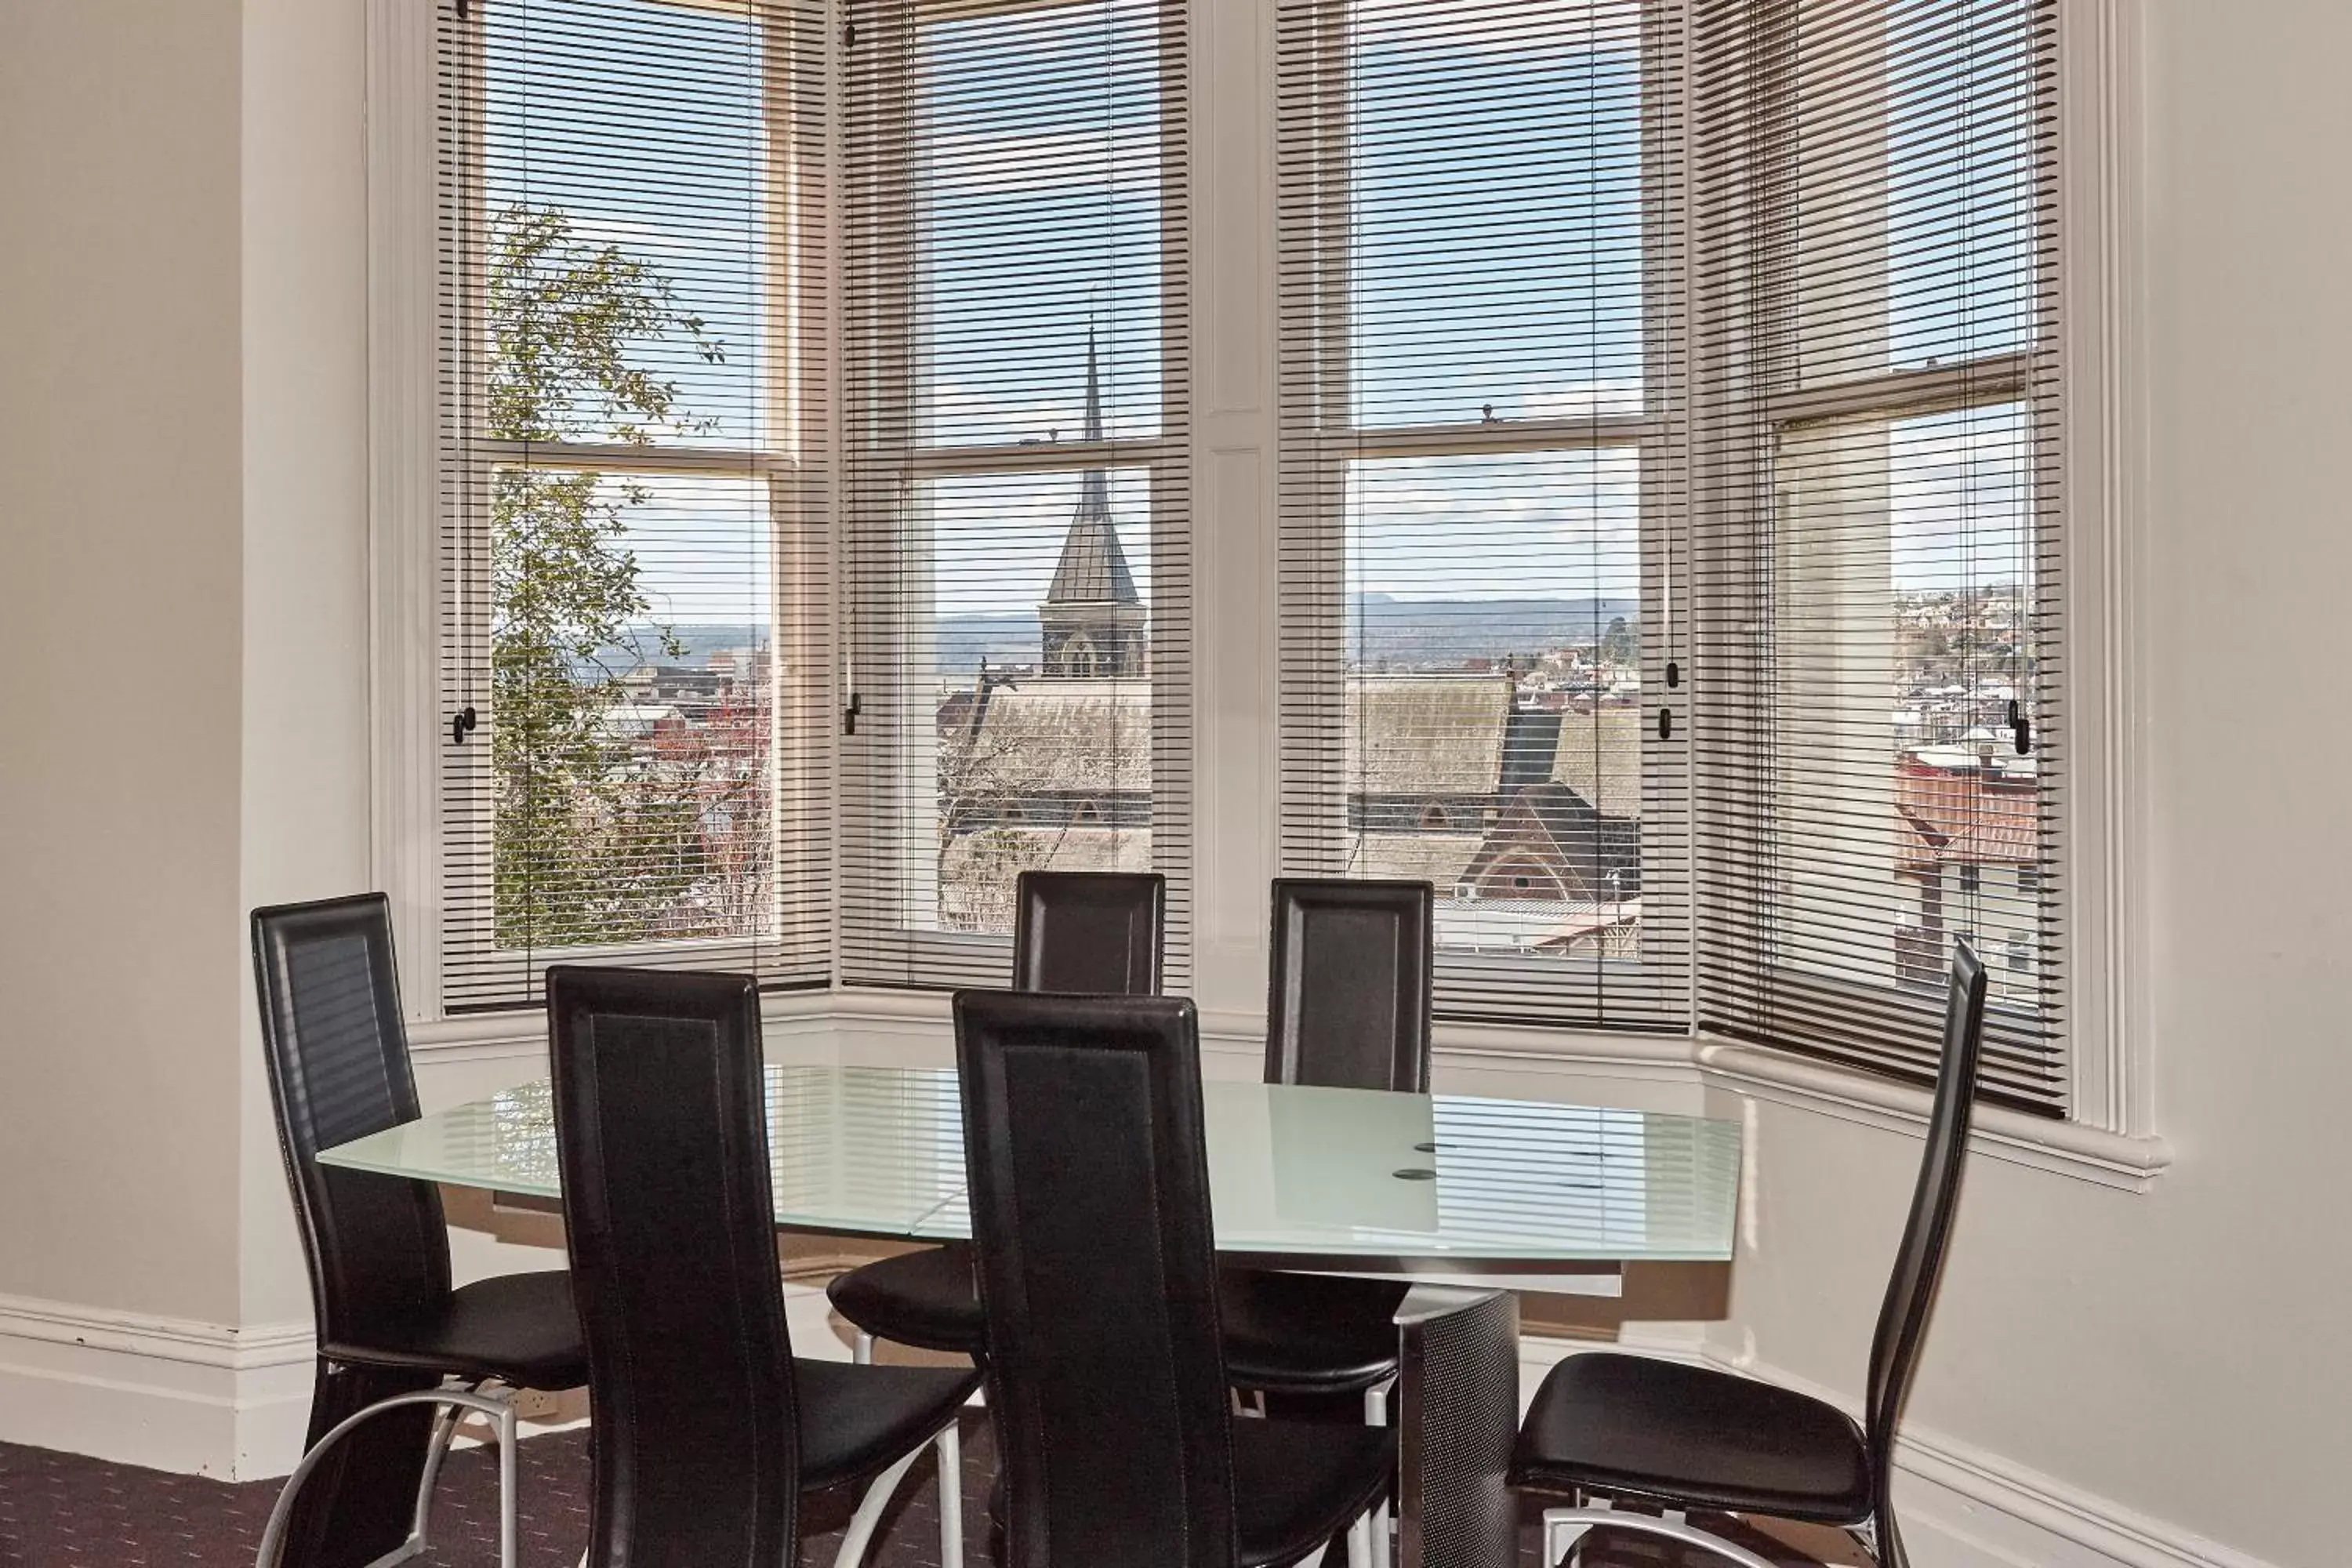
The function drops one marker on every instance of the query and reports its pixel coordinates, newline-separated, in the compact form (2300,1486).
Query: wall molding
(170,1393)
(1961,1507)
(2128,1162)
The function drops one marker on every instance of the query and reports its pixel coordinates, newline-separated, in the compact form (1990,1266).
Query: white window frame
(1653,437)
(2110,1135)
(894,746)
(412,597)
(2112,1139)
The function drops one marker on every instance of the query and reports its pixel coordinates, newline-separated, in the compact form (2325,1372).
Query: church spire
(1094,499)
(1093,569)
(1093,617)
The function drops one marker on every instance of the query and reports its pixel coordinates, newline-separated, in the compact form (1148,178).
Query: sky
(1496,259)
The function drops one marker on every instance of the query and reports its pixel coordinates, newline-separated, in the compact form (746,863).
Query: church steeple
(1093,619)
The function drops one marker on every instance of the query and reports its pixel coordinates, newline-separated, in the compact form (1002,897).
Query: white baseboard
(1961,1507)
(166,1392)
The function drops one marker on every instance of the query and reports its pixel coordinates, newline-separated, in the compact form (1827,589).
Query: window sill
(2127,1162)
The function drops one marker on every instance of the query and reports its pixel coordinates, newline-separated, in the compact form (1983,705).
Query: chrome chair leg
(949,1445)
(444,1432)
(868,1517)
(862,1351)
(1360,1542)
(500,1411)
(1376,1414)
(1564,1527)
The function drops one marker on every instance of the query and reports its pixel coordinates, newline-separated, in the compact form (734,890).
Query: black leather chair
(1095,932)
(1088,1181)
(707,1427)
(1607,1428)
(1348,1006)
(392,1331)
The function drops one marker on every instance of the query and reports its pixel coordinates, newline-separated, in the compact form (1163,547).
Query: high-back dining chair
(707,1428)
(1095,932)
(1088,1181)
(1348,987)
(395,1340)
(1348,1006)
(1606,1428)
(1088,931)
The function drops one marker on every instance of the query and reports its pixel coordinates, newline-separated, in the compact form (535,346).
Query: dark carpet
(61,1510)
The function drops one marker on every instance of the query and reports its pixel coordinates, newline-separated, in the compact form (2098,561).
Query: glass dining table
(1464,1196)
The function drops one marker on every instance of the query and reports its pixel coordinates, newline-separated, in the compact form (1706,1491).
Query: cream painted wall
(119,496)
(2176,1349)
(183,426)
(304,831)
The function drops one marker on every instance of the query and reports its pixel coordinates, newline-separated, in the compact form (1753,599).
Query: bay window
(1667,478)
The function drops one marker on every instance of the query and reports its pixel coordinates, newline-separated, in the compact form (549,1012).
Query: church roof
(1093,568)
(1064,737)
(1425,734)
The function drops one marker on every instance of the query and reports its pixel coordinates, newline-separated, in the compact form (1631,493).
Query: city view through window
(1493,690)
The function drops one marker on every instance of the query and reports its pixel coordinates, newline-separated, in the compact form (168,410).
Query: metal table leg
(1457,1414)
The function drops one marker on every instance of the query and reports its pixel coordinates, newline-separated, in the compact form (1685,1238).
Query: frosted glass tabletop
(1346,1177)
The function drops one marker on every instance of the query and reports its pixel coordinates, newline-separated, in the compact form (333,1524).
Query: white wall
(2176,1351)
(304,825)
(182,429)
(120,497)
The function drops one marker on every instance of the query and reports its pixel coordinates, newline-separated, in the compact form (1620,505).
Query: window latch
(462,724)
(849,714)
(1666,724)
(2021,727)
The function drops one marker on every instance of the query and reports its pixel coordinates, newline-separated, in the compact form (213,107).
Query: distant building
(1449,781)
(1970,843)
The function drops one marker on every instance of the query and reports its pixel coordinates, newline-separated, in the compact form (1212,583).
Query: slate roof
(1064,737)
(1425,734)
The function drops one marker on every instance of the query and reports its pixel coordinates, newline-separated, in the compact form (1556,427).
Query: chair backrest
(1088,931)
(1919,1260)
(1347,1003)
(661,1140)
(1091,1211)
(377,1247)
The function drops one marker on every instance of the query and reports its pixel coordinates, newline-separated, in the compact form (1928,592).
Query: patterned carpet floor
(62,1510)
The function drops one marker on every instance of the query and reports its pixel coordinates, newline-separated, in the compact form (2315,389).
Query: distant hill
(1455,631)
(1386,630)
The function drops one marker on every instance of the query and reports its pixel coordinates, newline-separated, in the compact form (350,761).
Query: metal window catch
(462,724)
(849,714)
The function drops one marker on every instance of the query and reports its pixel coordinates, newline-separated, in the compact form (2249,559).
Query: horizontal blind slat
(1480,380)
(634,596)
(1013,240)
(1879,748)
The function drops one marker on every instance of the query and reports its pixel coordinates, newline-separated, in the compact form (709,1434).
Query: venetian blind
(1880,736)
(636,695)
(1015,456)
(1481,474)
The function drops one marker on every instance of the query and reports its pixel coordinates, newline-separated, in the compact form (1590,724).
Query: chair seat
(928,1299)
(1298,1484)
(1307,1333)
(1691,1438)
(858,1420)
(521,1329)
